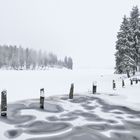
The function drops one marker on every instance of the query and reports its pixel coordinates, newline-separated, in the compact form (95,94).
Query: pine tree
(123,47)
(128,44)
(135,28)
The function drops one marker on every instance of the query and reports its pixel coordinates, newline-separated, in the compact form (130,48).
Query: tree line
(18,58)
(128,44)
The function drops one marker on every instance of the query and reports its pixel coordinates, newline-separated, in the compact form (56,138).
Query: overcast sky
(83,29)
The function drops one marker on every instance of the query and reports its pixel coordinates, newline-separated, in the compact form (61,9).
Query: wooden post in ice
(114,85)
(131,82)
(123,84)
(94,88)
(136,81)
(4,103)
(42,97)
(71,91)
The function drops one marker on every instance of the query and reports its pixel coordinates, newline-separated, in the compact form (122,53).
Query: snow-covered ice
(26,84)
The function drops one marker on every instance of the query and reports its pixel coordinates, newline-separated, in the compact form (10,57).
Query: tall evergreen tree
(135,28)
(128,44)
(123,47)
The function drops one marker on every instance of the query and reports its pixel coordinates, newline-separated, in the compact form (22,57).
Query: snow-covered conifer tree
(135,29)
(128,44)
(123,45)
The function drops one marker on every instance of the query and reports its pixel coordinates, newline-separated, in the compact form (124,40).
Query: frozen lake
(84,117)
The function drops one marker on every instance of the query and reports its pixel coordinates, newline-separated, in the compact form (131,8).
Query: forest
(19,58)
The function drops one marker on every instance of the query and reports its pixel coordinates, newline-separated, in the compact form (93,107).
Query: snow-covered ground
(106,115)
(26,84)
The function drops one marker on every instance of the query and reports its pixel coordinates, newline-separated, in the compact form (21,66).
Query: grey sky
(83,29)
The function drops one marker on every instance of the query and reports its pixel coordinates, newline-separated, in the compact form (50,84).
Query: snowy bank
(22,85)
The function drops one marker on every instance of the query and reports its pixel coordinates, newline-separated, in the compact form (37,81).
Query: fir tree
(135,28)
(123,47)
(128,44)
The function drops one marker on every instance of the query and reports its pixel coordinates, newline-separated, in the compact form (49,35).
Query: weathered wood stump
(114,85)
(71,91)
(4,103)
(136,81)
(94,88)
(42,97)
(131,82)
(123,84)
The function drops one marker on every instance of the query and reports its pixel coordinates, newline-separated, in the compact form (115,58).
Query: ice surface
(85,116)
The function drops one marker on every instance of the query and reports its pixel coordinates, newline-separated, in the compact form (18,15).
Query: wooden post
(71,91)
(94,88)
(42,97)
(114,85)
(131,82)
(136,81)
(4,103)
(123,84)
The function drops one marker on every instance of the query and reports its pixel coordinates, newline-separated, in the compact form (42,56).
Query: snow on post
(114,85)
(123,84)
(94,88)
(4,103)
(42,97)
(71,91)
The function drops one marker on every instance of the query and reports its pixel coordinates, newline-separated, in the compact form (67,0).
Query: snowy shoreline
(21,85)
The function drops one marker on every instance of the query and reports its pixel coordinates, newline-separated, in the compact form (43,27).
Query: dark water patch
(120,118)
(107,108)
(53,108)
(131,117)
(64,98)
(83,99)
(54,118)
(106,127)
(17,119)
(88,107)
(111,121)
(123,136)
(132,124)
(117,112)
(78,133)
(14,114)
(43,127)
(14,109)
(110,107)
(13,133)
(72,113)
(90,117)
(97,127)
(87,115)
